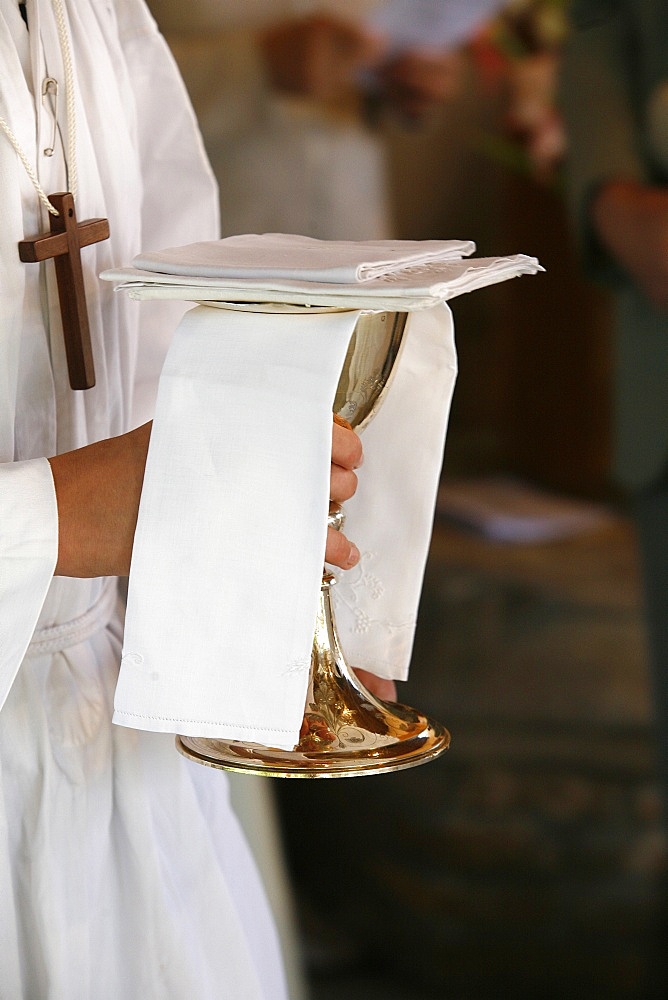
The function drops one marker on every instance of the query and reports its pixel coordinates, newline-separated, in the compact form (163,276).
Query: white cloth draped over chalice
(230,540)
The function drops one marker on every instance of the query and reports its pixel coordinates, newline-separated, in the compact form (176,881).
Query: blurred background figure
(287,95)
(615,98)
(278,111)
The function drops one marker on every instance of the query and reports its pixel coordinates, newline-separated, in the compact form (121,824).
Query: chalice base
(346,731)
(427,741)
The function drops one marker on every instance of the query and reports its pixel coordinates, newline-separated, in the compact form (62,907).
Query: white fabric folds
(28,553)
(230,540)
(391,515)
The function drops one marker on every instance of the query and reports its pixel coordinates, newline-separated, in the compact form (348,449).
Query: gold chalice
(346,731)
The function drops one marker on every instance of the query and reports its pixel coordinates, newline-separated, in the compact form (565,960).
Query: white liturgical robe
(122,872)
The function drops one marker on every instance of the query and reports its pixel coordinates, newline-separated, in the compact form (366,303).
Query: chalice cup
(346,731)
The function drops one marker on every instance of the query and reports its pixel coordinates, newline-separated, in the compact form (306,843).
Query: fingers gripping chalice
(346,730)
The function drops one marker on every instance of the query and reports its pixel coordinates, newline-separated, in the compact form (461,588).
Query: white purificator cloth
(230,540)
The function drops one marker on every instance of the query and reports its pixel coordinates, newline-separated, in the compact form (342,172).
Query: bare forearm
(98,489)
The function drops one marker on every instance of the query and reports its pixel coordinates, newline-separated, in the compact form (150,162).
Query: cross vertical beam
(63,244)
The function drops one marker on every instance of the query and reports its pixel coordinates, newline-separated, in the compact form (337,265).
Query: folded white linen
(286,256)
(230,540)
(412,288)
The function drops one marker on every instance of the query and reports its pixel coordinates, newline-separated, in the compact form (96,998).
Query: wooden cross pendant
(64,244)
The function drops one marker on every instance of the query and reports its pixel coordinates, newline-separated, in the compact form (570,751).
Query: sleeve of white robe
(28,553)
(169,151)
(28,514)
(172,150)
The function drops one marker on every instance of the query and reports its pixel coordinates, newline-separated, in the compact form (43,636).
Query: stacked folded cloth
(380,274)
(230,540)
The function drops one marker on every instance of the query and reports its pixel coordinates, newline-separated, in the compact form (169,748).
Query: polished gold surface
(346,731)
(372,353)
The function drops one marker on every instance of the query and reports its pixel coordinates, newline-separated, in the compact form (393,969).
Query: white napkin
(287,256)
(230,541)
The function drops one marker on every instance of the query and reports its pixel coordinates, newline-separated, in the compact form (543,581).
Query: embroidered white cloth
(231,533)
(391,515)
(230,540)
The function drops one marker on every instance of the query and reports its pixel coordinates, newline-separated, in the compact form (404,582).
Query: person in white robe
(123,874)
(284,92)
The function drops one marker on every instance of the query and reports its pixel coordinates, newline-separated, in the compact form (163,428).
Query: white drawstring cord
(66,52)
(71,164)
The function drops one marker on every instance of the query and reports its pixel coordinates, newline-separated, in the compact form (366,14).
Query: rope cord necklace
(66,238)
